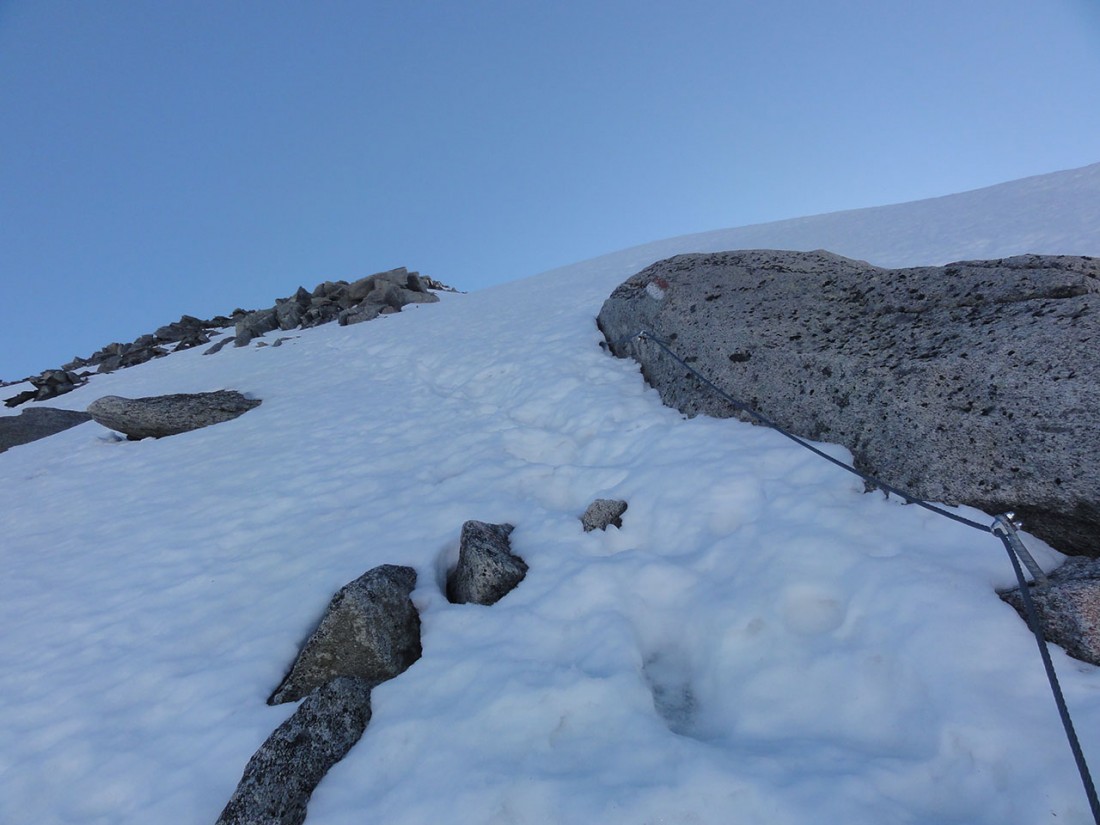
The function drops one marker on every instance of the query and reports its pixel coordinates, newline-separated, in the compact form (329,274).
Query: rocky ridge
(341,301)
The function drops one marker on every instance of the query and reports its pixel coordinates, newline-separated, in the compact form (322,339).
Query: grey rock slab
(1069,611)
(975,383)
(161,415)
(255,324)
(288,315)
(217,347)
(602,513)
(371,630)
(360,289)
(35,423)
(359,314)
(487,569)
(282,775)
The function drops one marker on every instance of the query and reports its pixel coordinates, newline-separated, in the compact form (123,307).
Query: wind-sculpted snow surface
(759,642)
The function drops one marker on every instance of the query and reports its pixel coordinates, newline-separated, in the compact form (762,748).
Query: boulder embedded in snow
(281,776)
(36,423)
(1069,611)
(160,415)
(255,324)
(603,512)
(487,569)
(973,383)
(358,314)
(371,631)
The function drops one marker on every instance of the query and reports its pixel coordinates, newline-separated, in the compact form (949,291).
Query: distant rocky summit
(341,301)
(362,300)
(974,383)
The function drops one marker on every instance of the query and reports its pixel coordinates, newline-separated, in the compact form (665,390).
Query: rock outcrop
(49,384)
(160,415)
(361,300)
(1069,610)
(371,630)
(487,569)
(347,303)
(281,776)
(35,423)
(603,513)
(975,383)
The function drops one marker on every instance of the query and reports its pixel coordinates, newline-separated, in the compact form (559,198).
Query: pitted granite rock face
(975,383)
(161,415)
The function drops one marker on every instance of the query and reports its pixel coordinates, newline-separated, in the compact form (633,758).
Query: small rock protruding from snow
(487,569)
(603,512)
(160,415)
(1069,611)
(280,777)
(371,630)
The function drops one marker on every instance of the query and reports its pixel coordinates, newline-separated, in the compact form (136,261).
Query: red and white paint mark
(657,288)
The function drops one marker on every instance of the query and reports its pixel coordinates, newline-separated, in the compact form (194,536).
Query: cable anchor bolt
(1005,527)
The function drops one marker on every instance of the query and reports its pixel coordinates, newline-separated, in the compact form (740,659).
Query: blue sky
(159,158)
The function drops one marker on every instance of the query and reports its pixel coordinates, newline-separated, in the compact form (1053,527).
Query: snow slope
(761,642)
(1054,214)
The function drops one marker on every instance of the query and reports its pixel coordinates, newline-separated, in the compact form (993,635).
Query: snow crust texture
(759,642)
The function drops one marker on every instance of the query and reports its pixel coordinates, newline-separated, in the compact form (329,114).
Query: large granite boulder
(36,423)
(281,776)
(487,569)
(371,630)
(976,383)
(161,415)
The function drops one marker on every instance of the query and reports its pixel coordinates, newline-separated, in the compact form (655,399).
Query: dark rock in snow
(161,415)
(20,398)
(358,314)
(974,383)
(1069,612)
(36,423)
(281,776)
(371,631)
(374,295)
(255,324)
(603,512)
(217,347)
(48,384)
(487,569)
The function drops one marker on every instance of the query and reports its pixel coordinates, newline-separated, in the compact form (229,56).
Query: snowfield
(761,642)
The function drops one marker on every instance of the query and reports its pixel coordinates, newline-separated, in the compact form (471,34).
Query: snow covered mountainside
(1056,214)
(760,642)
